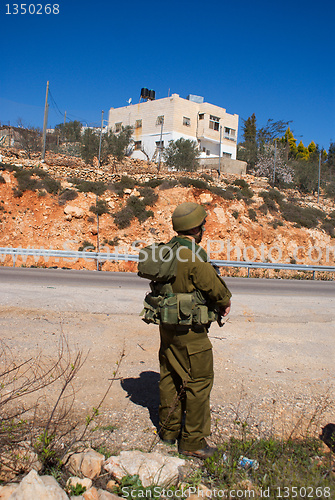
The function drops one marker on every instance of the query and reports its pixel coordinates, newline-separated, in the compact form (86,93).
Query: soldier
(185,355)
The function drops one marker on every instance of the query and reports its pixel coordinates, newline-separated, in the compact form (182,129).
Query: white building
(156,122)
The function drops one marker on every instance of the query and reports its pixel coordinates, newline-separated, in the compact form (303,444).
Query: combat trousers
(186,380)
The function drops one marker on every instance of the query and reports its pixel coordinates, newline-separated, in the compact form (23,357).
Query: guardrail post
(14,258)
(248,271)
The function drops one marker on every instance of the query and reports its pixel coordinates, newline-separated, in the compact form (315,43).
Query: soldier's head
(189,219)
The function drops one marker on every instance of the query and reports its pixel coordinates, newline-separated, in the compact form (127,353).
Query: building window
(118,127)
(214,122)
(186,121)
(138,124)
(138,145)
(201,116)
(159,144)
(208,152)
(230,133)
(160,120)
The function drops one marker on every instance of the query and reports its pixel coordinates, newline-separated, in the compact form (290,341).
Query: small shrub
(168,184)
(51,185)
(308,217)
(328,226)
(149,196)
(247,192)
(235,214)
(97,188)
(2,180)
(207,177)
(241,183)
(17,193)
(67,195)
(125,183)
(86,246)
(252,214)
(224,193)
(154,183)
(277,223)
(196,183)
(263,209)
(112,243)
(123,218)
(101,207)
(275,195)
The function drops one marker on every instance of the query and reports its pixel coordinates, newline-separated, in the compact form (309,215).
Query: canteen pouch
(169,310)
(185,304)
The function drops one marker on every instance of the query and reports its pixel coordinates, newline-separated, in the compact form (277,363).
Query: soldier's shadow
(144,391)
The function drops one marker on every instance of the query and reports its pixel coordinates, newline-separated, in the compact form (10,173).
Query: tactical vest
(158,263)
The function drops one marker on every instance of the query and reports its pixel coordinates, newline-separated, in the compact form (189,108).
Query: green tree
(89,145)
(116,144)
(306,174)
(303,153)
(69,132)
(182,154)
(331,160)
(291,144)
(247,150)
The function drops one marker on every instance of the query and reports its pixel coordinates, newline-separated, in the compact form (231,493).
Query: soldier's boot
(203,453)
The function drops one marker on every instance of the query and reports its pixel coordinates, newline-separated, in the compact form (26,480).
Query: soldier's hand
(224,311)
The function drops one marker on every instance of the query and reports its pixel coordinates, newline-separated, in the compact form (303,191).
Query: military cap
(187,216)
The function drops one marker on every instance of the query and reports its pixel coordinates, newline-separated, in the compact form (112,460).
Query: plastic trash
(247,463)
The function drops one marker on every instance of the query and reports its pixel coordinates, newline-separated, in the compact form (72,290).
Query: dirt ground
(274,359)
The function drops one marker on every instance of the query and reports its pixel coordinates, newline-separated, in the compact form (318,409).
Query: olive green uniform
(186,359)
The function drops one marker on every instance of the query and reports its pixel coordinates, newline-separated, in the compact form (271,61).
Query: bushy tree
(247,150)
(89,145)
(182,154)
(69,132)
(116,144)
(303,153)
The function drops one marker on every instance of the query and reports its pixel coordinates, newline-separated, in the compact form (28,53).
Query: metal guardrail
(107,256)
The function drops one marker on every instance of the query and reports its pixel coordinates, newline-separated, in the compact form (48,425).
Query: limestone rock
(91,464)
(105,495)
(220,214)
(6,491)
(74,211)
(152,468)
(91,494)
(87,463)
(206,198)
(38,488)
(73,481)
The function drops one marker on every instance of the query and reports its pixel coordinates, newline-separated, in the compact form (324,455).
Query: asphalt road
(92,279)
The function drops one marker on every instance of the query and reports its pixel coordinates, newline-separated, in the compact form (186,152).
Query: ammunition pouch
(162,306)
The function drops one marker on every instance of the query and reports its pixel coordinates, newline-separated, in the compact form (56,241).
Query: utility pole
(274,165)
(319,176)
(160,145)
(219,171)
(96,196)
(45,123)
(64,118)
(102,124)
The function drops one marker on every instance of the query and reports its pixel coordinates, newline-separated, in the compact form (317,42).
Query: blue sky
(274,59)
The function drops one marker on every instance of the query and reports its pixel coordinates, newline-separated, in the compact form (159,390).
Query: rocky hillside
(53,205)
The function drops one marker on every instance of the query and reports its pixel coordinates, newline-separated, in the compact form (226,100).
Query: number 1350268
(32,8)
